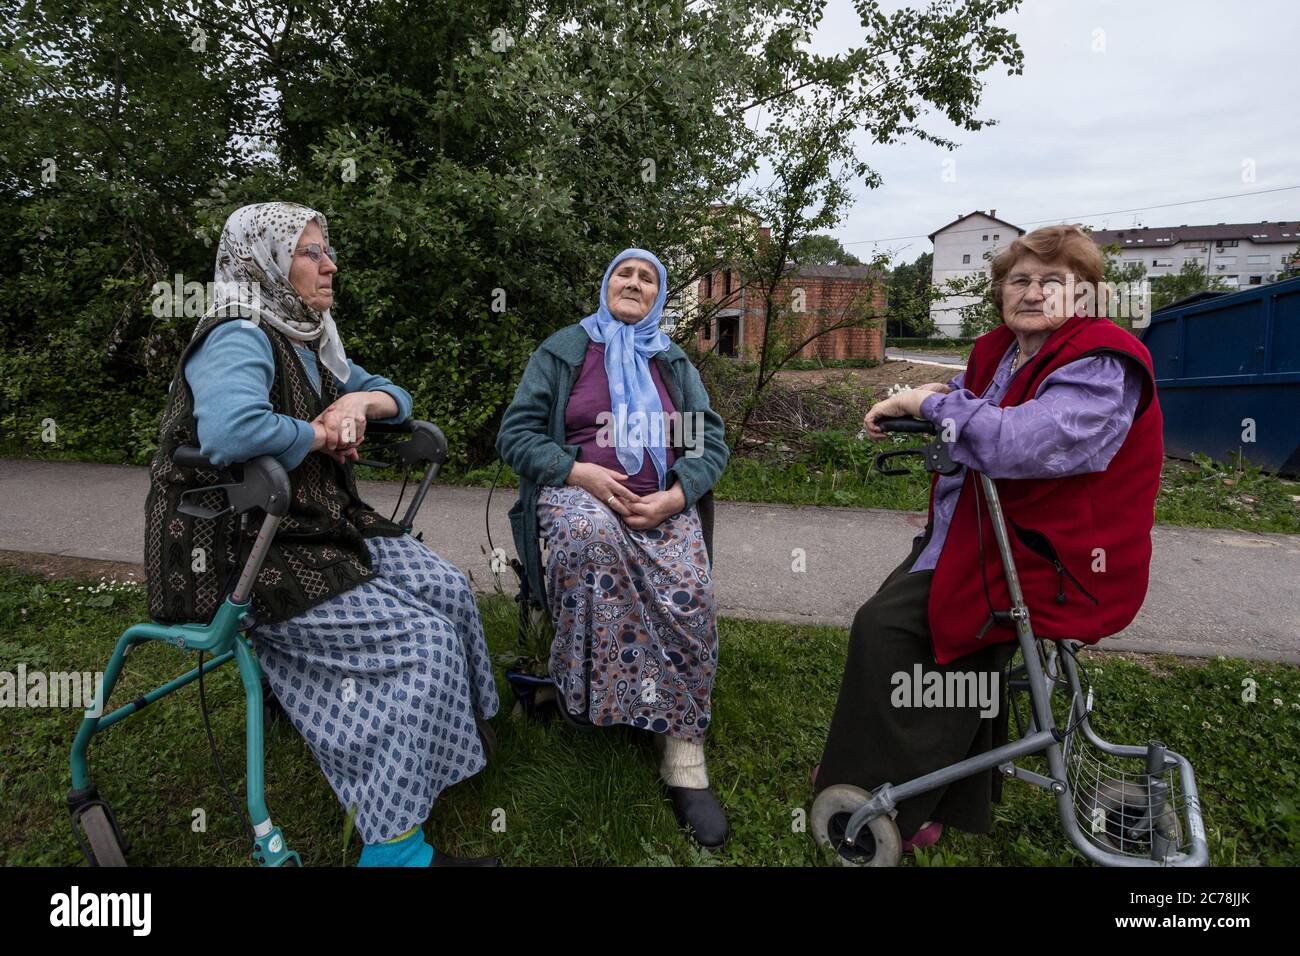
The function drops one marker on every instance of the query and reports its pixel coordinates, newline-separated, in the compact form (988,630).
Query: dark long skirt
(873,742)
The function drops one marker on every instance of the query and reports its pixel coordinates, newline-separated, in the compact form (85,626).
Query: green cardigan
(532,434)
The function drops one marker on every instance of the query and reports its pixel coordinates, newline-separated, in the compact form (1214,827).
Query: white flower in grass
(1277,701)
(1205,725)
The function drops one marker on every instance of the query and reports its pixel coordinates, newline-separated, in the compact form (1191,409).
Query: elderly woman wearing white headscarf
(616,447)
(370,641)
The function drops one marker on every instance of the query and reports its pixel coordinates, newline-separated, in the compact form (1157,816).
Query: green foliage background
(511,145)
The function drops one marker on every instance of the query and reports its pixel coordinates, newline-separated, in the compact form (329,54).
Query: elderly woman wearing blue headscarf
(617,449)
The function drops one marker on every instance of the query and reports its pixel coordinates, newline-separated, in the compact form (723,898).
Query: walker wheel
(105,849)
(878,842)
(1123,804)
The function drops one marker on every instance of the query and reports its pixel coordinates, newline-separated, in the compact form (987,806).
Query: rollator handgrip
(426,444)
(916,426)
(189,456)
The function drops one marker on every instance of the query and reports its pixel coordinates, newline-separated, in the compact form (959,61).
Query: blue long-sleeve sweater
(231,374)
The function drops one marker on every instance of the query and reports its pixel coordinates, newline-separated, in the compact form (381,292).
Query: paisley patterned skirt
(636,637)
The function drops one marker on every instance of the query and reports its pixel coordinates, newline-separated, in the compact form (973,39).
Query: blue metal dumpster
(1225,362)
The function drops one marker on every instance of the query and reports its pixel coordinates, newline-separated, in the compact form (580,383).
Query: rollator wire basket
(1119,805)
(1126,800)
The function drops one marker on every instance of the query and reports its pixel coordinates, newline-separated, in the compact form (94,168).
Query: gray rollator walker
(1120,805)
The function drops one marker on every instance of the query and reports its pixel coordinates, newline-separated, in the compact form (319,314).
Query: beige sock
(682,763)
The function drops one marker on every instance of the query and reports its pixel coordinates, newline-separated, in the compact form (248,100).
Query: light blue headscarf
(633,398)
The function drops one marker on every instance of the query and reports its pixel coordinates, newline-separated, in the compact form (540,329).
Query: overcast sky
(1183,93)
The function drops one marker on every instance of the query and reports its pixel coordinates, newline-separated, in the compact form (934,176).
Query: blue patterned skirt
(636,638)
(384,682)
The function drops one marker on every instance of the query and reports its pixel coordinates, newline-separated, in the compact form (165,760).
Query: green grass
(1207,494)
(569,796)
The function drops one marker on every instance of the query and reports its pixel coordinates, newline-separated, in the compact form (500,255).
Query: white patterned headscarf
(252,276)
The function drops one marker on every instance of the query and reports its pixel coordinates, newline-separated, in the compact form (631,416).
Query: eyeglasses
(1050,286)
(313,251)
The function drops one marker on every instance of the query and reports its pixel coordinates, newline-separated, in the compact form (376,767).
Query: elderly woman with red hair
(1059,407)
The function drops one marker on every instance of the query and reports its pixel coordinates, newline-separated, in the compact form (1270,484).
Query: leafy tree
(911,297)
(1189,280)
(479,165)
(1290,267)
(822,251)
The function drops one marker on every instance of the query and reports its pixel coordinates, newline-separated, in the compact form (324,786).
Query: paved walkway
(951,360)
(1212,592)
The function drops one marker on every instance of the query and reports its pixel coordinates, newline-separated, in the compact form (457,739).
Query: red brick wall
(826,302)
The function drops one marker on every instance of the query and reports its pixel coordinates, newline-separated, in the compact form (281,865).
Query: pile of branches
(786,417)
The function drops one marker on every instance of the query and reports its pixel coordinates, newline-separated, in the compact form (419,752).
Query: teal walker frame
(264,486)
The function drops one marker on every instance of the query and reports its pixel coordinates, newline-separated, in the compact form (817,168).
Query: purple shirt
(1074,425)
(589,398)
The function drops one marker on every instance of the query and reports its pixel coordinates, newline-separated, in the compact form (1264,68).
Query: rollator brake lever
(195,510)
(935,456)
(884,456)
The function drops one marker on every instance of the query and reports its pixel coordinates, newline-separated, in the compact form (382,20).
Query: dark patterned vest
(319,551)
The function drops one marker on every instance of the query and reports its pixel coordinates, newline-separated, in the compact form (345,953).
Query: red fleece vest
(1082,544)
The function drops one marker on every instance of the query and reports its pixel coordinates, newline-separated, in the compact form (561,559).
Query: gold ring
(609,500)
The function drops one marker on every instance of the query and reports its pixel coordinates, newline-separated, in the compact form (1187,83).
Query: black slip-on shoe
(446,859)
(699,814)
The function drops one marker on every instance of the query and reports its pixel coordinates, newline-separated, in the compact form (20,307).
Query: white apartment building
(963,248)
(1241,254)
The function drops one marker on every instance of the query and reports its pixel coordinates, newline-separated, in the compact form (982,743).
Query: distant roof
(977,212)
(1149,236)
